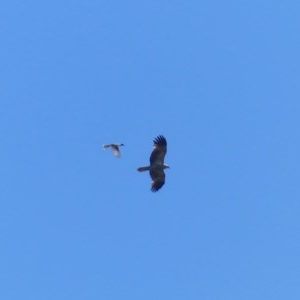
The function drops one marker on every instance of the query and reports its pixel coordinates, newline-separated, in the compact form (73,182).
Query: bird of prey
(114,148)
(157,166)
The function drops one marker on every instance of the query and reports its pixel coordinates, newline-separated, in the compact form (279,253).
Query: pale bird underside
(114,148)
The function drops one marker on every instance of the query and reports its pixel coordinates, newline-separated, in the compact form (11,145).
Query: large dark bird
(114,148)
(157,166)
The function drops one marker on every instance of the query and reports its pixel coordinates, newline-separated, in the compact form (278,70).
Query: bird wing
(158,179)
(159,151)
(115,150)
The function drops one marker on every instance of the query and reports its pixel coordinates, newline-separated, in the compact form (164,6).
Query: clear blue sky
(220,79)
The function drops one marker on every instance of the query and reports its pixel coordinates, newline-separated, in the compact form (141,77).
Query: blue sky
(220,80)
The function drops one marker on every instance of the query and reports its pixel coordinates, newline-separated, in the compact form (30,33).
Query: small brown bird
(114,148)
(157,165)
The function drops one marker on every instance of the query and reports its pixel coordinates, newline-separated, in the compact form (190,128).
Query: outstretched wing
(115,150)
(159,151)
(158,179)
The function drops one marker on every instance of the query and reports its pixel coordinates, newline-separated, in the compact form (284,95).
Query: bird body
(157,165)
(114,148)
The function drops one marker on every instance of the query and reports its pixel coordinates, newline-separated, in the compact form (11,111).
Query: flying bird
(114,148)
(157,165)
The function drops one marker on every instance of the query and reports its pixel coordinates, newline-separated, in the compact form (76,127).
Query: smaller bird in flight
(114,148)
